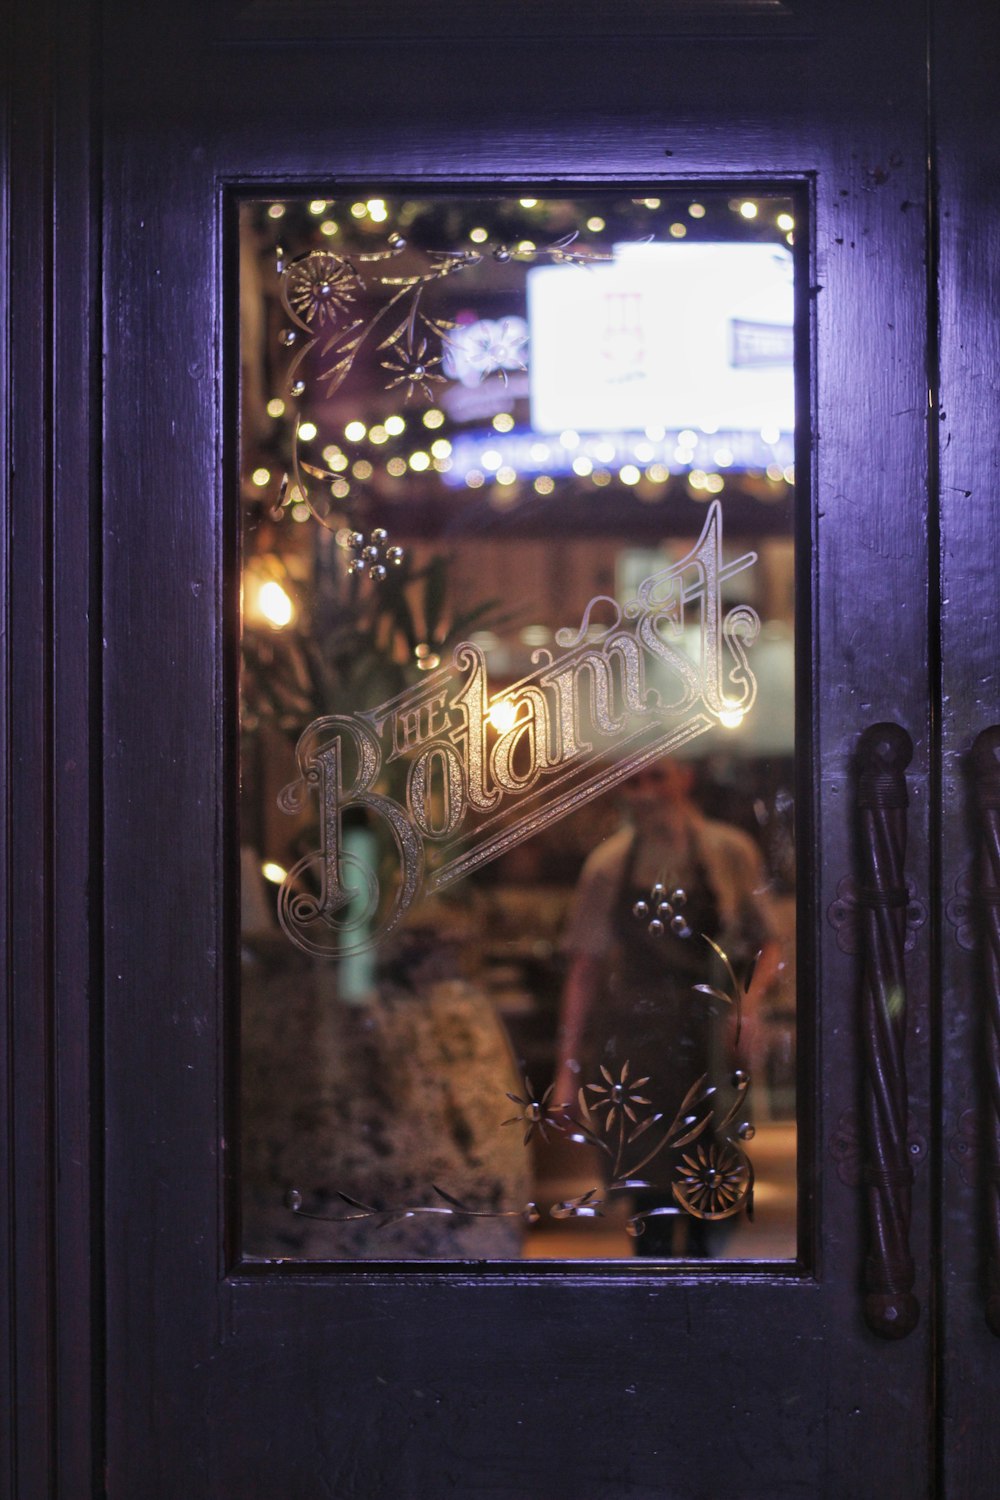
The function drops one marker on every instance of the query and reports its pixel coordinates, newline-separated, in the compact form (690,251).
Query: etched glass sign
(517,727)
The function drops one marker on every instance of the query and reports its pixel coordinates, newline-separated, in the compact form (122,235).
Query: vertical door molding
(51,1245)
(965,59)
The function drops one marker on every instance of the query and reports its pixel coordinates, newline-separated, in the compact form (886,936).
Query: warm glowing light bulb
(582,466)
(274,604)
(378,434)
(503,421)
(441,448)
(276,407)
(432,417)
(678,231)
(479,236)
(377,210)
(354,431)
(276,211)
(748,210)
(329,227)
(544,485)
(260,477)
(596,223)
(785,221)
(317,206)
(394,426)
(307,431)
(731,718)
(272,871)
(359,210)
(529,202)
(420,461)
(629,474)
(696,210)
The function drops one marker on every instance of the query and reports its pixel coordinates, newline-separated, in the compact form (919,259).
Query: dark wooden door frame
(965,142)
(51,1258)
(51,1304)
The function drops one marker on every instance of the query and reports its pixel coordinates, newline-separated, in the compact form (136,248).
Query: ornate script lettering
(486,770)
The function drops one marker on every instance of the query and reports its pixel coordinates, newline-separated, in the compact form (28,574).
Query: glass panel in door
(517,702)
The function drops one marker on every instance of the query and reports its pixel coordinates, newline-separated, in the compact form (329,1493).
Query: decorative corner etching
(319,290)
(961,912)
(485,771)
(712,1176)
(843,915)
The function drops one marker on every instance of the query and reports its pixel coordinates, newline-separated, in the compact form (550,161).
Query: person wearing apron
(630,995)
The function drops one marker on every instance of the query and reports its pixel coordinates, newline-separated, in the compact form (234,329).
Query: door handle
(986,777)
(884,752)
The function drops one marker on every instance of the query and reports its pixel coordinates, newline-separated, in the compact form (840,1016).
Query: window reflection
(517,728)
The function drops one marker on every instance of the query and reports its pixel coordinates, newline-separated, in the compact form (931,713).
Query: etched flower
(617,1095)
(414,368)
(320,286)
(534,1114)
(711,1182)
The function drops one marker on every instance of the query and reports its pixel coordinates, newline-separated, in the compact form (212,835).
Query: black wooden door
(214,1375)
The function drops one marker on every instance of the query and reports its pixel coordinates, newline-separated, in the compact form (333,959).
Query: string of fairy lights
(369,453)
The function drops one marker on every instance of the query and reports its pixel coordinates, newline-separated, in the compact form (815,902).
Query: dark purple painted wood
(483,1381)
(966,56)
(471,1381)
(986,776)
(325,23)
(50,229)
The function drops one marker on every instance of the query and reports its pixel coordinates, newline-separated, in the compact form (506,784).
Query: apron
(649,1015)
(652,1018)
